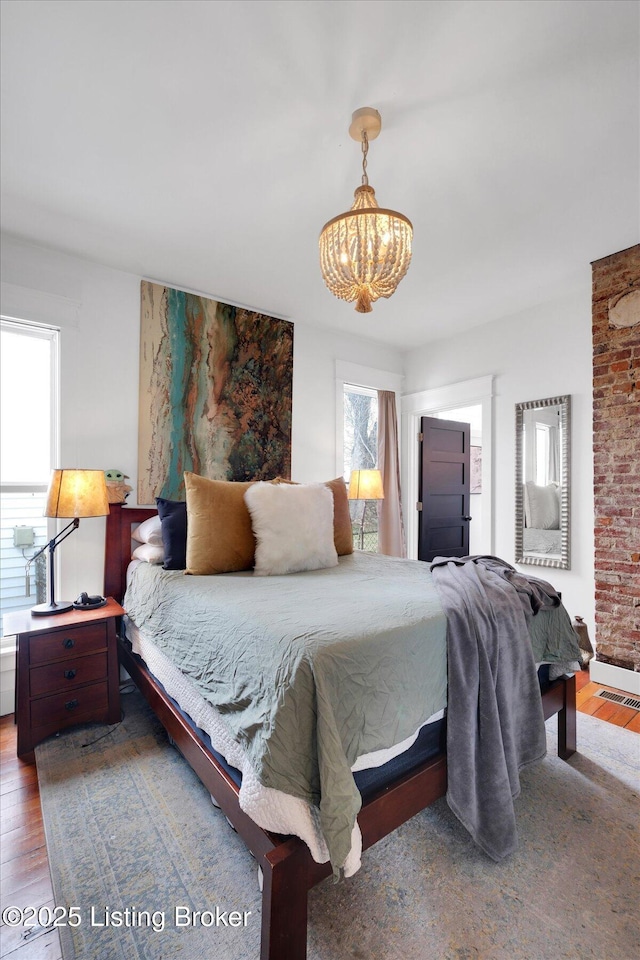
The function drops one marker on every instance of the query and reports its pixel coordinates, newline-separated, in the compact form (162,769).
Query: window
(29,403)
(542,454)
(361,453)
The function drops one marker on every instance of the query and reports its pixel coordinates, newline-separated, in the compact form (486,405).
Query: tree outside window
(361,453)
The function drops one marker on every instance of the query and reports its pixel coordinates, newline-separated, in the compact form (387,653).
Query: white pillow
(293,527)
(544,506)
(150,531)
(149,552)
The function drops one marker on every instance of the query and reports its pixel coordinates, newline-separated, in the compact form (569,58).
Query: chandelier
(365,253)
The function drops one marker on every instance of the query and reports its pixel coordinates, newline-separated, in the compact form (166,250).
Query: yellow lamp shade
(77,493)
(365,485)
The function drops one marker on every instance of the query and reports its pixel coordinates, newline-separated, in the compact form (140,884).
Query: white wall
(543,352)
(98,310)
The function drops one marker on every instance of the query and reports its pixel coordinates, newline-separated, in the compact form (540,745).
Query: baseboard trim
(618,677)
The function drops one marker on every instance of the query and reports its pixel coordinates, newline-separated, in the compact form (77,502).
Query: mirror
(543,484)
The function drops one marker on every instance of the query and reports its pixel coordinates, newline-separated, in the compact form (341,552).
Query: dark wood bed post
(289,871)
(117,552)
(112,577)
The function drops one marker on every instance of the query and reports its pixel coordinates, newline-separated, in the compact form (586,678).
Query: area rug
(154,872)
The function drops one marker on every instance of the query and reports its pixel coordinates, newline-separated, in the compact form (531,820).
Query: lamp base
(49,609)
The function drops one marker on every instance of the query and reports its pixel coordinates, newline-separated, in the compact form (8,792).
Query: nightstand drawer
(68,642)
(67,674)
(76,706)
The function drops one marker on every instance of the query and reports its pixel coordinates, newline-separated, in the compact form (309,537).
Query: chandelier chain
(365,151)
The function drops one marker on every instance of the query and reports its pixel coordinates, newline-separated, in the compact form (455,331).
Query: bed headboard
(117,556)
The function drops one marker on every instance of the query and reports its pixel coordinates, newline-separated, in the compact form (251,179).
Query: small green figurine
(117,489)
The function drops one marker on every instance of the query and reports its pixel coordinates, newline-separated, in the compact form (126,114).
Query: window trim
(51,333)
(369,378)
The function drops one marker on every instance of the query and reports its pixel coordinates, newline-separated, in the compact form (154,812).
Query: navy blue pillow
(173,517)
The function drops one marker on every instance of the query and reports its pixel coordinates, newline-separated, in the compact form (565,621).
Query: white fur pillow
(293,527)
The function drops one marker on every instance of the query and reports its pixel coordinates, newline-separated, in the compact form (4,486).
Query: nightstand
(67,671)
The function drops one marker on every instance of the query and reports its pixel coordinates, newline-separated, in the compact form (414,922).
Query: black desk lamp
(76,494)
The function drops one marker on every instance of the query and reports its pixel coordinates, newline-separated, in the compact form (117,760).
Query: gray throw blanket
(495,721)
(534,594)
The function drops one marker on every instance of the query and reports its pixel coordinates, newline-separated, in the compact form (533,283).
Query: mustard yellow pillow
(342,534)
(219,535)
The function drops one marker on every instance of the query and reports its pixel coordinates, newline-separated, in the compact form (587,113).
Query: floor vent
(619,698)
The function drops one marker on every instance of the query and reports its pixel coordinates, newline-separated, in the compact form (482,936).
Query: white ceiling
(204,144)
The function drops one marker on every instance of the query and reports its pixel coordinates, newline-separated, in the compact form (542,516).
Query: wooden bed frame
(289,871)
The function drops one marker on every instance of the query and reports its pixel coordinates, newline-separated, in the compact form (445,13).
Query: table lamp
(365,485)
(76,494)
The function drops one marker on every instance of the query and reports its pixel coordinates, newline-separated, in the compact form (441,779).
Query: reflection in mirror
(543,482)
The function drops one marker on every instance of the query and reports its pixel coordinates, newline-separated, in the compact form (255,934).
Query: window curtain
(390,526)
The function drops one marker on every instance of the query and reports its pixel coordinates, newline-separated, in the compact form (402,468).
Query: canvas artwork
(215,392)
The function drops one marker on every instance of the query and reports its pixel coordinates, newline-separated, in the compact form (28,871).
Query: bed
(288,867)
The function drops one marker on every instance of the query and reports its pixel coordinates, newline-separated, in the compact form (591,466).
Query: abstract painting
(215,392)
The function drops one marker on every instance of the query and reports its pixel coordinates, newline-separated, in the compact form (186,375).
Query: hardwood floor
(24,867)
(588,702)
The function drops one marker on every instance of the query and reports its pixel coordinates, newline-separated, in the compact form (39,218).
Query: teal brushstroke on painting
(180,363)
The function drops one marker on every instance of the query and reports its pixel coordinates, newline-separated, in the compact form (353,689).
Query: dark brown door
(443,527)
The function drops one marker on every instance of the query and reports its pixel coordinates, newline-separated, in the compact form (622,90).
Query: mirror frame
(564,563)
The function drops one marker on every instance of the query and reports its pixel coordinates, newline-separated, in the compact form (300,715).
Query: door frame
(428,403)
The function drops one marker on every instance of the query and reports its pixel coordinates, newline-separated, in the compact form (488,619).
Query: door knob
(467,518)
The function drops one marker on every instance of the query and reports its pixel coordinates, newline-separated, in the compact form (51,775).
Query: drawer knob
(71,704)
(69,674)
(67,643)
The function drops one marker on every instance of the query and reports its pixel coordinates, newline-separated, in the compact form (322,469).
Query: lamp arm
(53,543)
(50,546)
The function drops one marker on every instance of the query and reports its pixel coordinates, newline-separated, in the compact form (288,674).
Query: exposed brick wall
(616,453)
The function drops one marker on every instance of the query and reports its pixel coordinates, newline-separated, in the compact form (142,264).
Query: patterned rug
(137,848)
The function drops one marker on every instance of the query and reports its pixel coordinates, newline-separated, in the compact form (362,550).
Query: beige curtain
(390,526)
